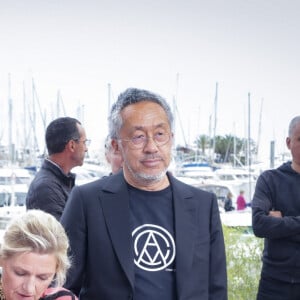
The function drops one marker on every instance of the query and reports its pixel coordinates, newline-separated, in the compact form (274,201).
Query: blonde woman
(33,257)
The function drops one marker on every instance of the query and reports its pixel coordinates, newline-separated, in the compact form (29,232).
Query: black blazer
(96,219)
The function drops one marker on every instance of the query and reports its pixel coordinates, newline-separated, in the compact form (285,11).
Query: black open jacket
(50,189)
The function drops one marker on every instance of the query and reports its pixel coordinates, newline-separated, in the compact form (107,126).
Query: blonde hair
(39,232)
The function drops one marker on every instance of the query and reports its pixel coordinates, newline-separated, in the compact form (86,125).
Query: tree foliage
(226,147)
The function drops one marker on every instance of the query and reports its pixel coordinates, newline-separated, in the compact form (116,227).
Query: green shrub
(243,253)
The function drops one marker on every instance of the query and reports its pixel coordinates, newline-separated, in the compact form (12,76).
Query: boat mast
(33,119)
(175,109)
(59,106)
(259,127)
(10,122)
(108,98)
(249,146)
(215,122)
(24,120)
(176,114)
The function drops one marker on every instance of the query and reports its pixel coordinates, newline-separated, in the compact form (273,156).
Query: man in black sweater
(276,218)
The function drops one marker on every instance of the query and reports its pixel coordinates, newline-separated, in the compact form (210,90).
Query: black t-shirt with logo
(152,223)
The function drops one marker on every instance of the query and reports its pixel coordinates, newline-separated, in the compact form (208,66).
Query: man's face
(293,143)
(145,162)
(81,148)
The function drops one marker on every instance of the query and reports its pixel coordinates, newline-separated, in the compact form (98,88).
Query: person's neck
(295,166)
(60,162)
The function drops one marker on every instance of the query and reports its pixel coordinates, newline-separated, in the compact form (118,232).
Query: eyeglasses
(139,141)
(87,142)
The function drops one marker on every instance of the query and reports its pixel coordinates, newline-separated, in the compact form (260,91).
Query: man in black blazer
(142,234)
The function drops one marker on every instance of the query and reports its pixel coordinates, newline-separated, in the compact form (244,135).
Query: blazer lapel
(115,205)
(185,231)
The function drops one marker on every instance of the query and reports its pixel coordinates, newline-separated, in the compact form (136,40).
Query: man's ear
(70,146)
(288,142)
(115,146)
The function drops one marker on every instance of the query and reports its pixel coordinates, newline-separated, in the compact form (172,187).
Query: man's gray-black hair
(131,96)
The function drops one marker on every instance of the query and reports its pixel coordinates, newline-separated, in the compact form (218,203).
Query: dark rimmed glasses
(139,141)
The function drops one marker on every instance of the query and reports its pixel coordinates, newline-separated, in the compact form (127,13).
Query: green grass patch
(243,253)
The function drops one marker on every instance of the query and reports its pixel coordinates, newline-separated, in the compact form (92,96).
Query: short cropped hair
(131,96)
(38,232)
(294,122)
(107,145)
(59,132)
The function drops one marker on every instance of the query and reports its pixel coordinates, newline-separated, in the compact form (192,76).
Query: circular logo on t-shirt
(154,247)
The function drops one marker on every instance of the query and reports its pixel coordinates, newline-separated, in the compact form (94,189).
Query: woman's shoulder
(58,293)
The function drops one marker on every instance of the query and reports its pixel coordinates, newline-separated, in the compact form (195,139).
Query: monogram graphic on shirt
(154,247)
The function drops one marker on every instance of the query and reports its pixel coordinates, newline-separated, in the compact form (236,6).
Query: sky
(90,51)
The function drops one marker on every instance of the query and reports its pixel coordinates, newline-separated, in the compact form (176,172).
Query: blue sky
(175,48)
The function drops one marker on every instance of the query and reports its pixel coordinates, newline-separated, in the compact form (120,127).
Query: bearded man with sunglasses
(141,234)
